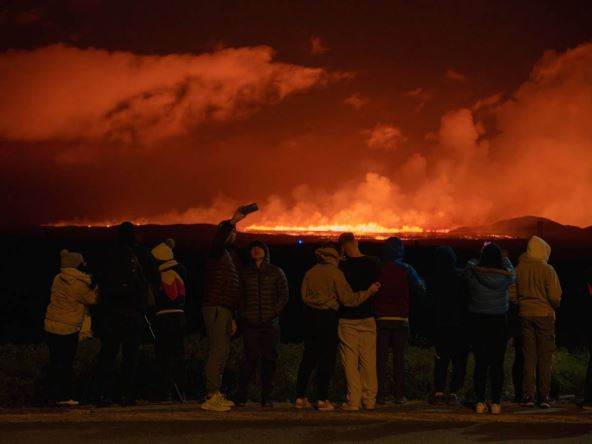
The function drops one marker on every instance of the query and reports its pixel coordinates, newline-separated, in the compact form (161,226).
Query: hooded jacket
(447,290)
(324,286)
(222,277)
(488,287)
(71,293)
(538,287)
(264,291)
(397,279)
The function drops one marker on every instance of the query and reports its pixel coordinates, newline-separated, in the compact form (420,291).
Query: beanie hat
(162,252)
(69,259)
(345,238)
(170,242)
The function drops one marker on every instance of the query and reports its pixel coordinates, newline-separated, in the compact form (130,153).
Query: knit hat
(69,259)
(163,252)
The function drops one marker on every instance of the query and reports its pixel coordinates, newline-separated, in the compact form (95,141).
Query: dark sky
(421,113)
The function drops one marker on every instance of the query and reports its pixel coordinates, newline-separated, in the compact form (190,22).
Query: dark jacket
(129,276)
(222,279)
(360,273)
(264,292)
(398,279)
(488,287)
(447,290)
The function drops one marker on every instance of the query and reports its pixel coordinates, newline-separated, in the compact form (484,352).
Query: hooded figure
(539,290)
(264,296)
(72,292)
(448,295)
(539,295)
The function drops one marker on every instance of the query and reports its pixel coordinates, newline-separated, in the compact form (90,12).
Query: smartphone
(247,209)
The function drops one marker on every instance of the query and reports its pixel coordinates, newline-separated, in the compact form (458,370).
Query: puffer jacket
(538,287)
(71,293)
(222,278)
(264,292)
(488,287)
(324,286)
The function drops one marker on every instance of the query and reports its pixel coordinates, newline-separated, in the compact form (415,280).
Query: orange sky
(339,120)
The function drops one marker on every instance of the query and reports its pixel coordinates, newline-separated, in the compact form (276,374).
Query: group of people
(355,305)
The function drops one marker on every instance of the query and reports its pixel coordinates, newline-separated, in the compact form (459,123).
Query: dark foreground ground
(416,422)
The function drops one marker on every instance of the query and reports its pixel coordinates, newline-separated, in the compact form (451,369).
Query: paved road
(415,423)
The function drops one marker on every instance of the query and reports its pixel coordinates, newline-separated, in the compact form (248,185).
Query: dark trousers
(395,335)
(451,349)
(588,389)
(320,351)
(538,336)
(125,333)
(489,335)
(62,350)
(518,368)
(260,346)
(170,350)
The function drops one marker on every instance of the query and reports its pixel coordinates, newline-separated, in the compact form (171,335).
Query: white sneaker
(68,403)
(302,403)
(496,409)
(480,408)
(325,406)
(215,403)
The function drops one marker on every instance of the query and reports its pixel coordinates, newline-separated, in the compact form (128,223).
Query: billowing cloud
(384,136)
(66,93)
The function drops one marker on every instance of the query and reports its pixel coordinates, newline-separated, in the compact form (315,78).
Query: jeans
(320,351)
(218,322)
(260,344)
(170,350)
(451,349)
(125,332)
(538,335)
(393,334)
(489,333)
(62,350)
(358,353)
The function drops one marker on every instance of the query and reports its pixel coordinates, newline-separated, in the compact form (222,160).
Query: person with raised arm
(221,300)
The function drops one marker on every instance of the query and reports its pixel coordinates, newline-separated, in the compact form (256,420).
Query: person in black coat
(450,302)
(128,283)
(264,296)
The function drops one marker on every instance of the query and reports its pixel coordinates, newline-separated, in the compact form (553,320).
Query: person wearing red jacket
(391,308)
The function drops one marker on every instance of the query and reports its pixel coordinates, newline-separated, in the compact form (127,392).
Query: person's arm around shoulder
(346,296)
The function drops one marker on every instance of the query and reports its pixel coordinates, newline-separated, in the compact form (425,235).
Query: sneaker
(227,401)
(349,407)
(369,405)
(266,403)
(439,398)
(380,401)
(302,403)
(216,403)
(325,406)
(402,400)
(545,403)
(480,408)
(496,409)
(240,402)
(527,402)
(452,399)
(67,403)
(586,406)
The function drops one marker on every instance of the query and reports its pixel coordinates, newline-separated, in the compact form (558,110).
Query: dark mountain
(524,227)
